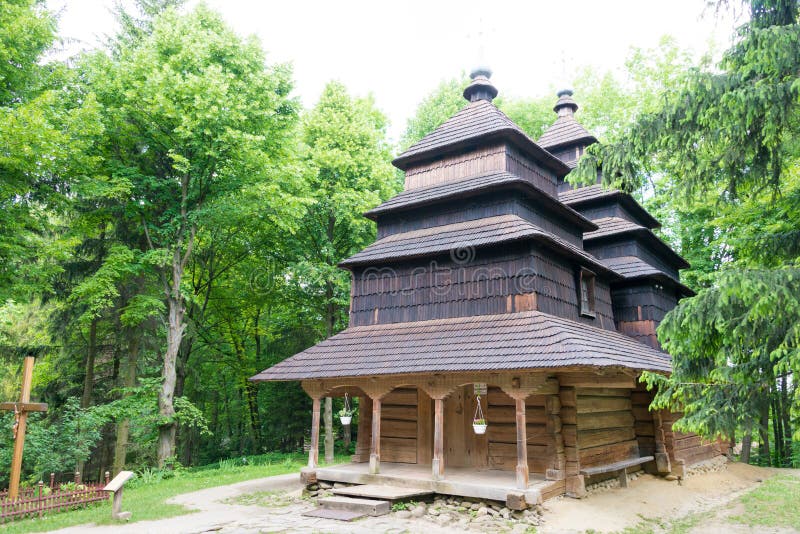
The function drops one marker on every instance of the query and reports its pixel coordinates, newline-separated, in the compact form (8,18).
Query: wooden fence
(37,501)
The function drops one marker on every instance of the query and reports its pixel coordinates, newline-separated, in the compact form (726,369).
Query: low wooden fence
(37,501)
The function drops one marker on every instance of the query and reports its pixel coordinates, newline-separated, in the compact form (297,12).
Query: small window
(587,293)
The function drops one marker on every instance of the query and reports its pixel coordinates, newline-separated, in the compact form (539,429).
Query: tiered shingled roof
(473,186)
(470,234)
(596,194)
(633,268)
(511,341)
(566,130)
(479,122)
(609,227)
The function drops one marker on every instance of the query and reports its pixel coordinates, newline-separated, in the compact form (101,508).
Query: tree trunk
(88,376)
(129,381)
(175,329)
(787,426)
(777,429)
(763,431)
(328,430)
(747,445)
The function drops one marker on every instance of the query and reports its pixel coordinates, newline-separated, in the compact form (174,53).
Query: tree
(348,172)
(193,118)
(723,151)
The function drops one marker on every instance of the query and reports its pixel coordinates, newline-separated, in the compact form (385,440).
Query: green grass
(649,525)
(146,498)
(775,503)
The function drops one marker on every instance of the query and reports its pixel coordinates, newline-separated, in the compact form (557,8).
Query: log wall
(399,426)
(605,426)
(502,433)
(688,448)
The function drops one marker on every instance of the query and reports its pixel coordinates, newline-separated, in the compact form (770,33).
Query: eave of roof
(614,227)
(475,185)
(512,341)
(476,233)
(632,269)
(477,123)
(596,194)
(563,132)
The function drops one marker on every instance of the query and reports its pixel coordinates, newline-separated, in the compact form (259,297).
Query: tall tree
(348,172)
(193,119)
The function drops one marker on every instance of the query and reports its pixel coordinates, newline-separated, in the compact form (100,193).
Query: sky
(399,51)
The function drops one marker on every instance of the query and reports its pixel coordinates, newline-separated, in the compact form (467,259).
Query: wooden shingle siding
(522,165)
(472,209)
(455,167)
(642,302)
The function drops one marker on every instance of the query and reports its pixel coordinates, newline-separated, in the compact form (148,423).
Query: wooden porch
(489,484)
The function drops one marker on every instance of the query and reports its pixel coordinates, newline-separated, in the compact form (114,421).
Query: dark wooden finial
(480,88)
(566,105)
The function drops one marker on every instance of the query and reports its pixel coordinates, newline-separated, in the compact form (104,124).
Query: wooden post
(21,410)
(375,441)
(437,464)
(522,445)
(313,452)
(663,465)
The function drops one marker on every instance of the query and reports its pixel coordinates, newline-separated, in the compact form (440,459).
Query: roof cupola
(480,88)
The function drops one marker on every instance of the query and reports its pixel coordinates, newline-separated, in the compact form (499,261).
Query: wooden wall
(503,202)
(399,426)
(516,277)
(605,426)
(476,161)
(502,433)
(688,448)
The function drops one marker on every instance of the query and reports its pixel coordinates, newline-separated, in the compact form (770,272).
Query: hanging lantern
(346,413)
(479,421)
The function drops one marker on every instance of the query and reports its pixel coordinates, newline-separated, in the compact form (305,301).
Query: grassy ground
(147,496)
(775,503)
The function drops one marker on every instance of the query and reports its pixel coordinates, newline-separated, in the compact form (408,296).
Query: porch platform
(487,484)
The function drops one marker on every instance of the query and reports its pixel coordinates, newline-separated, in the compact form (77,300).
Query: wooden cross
(21,410)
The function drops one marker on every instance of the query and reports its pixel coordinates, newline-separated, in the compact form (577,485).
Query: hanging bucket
(479,421)
(346,413)
(345,419)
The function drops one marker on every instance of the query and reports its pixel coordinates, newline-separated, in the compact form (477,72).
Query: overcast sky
(399,51)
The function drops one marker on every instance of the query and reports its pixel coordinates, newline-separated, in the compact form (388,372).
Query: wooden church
(500,321)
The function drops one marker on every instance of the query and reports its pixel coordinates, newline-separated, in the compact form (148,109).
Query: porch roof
(512,341)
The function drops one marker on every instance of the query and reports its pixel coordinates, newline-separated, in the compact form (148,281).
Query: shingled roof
(478,121)
(566,130)
(596,194)
(633,268)
(511,341)
(476,233)
(476,185)
(609,227)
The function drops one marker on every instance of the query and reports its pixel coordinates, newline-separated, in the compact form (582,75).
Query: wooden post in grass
(115,486)
(21,410)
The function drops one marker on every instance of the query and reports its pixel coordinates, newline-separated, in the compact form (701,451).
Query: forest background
(171,221)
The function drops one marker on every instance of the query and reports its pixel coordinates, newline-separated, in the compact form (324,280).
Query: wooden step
(384,492)
(339,515)
(360,506)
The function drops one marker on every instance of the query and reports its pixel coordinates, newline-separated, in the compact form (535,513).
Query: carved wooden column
(557,463)
(313,452)
(375,442)
(522,444)
(437,464)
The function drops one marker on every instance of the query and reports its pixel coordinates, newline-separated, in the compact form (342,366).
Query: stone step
(383,492)
(361,506)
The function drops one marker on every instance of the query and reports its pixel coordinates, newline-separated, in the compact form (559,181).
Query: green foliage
(437,107)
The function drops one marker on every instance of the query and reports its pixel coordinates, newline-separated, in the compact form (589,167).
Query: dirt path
(651,498)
